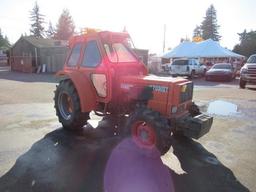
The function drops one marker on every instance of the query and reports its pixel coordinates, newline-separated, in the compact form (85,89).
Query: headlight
(244,70)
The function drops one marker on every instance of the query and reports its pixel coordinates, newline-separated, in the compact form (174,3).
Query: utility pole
(164,38)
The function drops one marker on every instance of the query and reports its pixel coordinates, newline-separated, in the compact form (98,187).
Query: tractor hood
(159,84)
(158,91)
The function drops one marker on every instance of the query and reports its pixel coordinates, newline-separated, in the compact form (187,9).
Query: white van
(187,67)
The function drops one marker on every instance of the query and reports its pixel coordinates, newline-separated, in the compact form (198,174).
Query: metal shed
(30,53)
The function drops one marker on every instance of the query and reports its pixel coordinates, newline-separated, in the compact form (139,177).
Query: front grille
(187,94)
(251,70)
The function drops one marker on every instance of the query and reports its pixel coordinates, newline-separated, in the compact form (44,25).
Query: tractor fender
(85,89)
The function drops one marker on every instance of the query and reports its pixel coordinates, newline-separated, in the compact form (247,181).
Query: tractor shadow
(204,172)
(64,161)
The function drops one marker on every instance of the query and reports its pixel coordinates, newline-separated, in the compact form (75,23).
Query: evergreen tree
(4,41)
(209,25)
(65,27)
(50,31)
(37,20)
(1,38)
(197,32)
(243,36)
(247,45)
(7,42)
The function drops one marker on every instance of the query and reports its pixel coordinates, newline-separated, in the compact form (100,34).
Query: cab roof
(97,34)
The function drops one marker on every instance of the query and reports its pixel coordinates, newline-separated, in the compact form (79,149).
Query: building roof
(42,42)
(206,49)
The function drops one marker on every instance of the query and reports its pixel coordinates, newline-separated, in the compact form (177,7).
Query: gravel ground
(28,117)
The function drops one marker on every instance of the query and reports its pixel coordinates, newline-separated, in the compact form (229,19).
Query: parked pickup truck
(248,72)
(187,67)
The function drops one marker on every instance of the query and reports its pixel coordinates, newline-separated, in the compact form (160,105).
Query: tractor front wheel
(67,105)
(148,129)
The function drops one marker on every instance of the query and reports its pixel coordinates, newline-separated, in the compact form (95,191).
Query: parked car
(248,72)
(221,71)
(187,67)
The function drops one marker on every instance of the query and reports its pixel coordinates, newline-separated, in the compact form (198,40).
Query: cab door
(92,64)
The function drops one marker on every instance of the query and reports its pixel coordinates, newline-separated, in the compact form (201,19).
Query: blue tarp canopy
(204,49)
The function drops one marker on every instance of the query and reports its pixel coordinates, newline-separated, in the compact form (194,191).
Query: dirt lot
(37,155)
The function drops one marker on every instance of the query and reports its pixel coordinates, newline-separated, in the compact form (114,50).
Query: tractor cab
(104,57)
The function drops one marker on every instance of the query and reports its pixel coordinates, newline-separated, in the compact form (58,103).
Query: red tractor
(102,73)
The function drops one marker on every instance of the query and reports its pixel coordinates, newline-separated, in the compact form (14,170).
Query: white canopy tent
(204,49)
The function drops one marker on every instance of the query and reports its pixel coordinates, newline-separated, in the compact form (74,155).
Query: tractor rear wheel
(148,129)
(67,105)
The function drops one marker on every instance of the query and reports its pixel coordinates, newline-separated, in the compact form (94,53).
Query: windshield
(180,62)
(252,59)
(222,66)
(118,52)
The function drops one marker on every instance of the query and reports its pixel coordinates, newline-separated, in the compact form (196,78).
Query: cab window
(74,56)
(119,53)
(92,56)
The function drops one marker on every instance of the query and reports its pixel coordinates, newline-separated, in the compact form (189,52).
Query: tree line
(63,30)
(209,30)
(247,45)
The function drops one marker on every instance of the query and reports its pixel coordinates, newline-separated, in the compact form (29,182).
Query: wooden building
(29,54)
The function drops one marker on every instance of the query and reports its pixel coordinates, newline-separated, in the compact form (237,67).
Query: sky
(143,19)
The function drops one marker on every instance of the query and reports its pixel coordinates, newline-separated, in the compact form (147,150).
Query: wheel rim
(65,106)
(143,134)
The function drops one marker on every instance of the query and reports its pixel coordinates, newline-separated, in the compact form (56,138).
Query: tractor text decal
(159,88)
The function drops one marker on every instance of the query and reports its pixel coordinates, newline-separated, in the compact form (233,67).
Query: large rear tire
(148,129)
(67,105)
